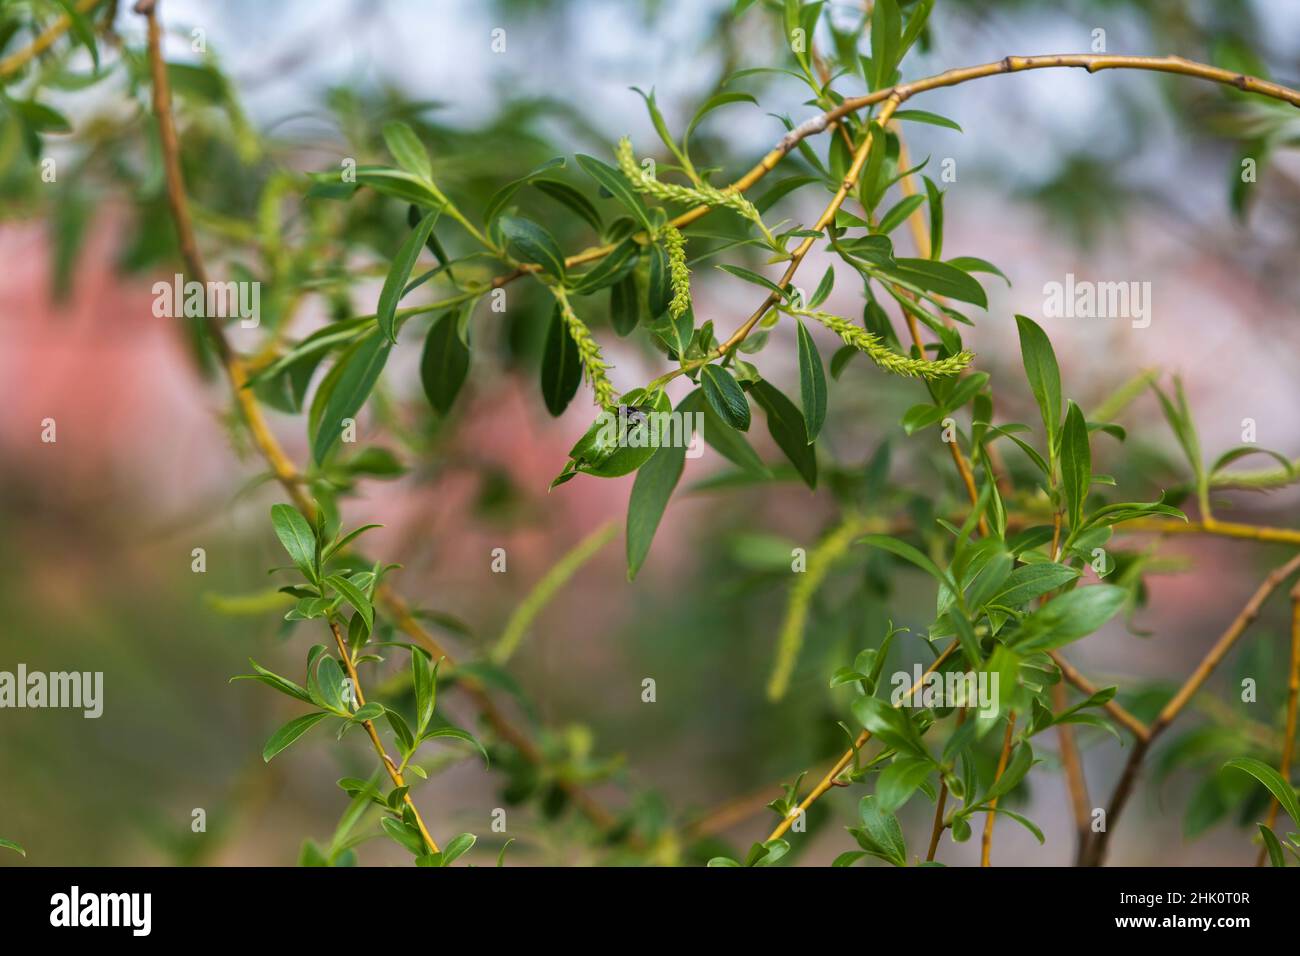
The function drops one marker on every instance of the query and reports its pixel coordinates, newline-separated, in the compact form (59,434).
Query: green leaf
(725,396)
(529,242)
(749,275)
(654,485)
(407,149)
(353,595)
(399,184)
(659,290)
(1030,581)
(889,725)
(898,214)
(812,384)
(886,34)
(711,104)
(1022,820)
(456,847)
(1068,617)
(1043,373)
(786,425)
(730,443)
(1076,464)
(329,680)
(456,734)
(405,835)
(823,289)
(401,730)
(371,711)
(1282,791)
(624,306)
(344,390)
(502,195)
(297,537)
(84,33)
(908,553)
(426,689)
(271,679)
(612,270)
(935,197)
(924,116)
(900,780)
(1275,856)
(398,273)
(290,732)
(616,184)
(1021,760)
(880,835)
(444,363)
(570,198)
(941,278)
(11,845)
(561,365)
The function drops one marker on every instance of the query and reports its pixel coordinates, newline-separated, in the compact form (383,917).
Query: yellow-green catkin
(704,194)
(819,561)
(593,363)
(679,277)
(881,354)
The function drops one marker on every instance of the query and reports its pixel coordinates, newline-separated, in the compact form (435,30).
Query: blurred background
(1115,176)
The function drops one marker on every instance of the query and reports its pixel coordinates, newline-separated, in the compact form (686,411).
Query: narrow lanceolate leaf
(444,363)
(1282,791)
(398,273)
(297,537)
(1031,581)
(616,184)
(290,732)
(1042,372)
(1275,857)
(624,306)
(786,425)
(561,366)
(529,242)
(1076,464)
(407,149)
(274,680)
(1068,617)
(455,733)
(812,383)
(939,278)
(654,485)
(11,845)
(354,596)
(725,396)
(344,390)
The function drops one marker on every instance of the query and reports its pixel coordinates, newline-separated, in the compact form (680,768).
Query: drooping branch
(282,467)
(1292,698)
(1091,62)
(1096,854)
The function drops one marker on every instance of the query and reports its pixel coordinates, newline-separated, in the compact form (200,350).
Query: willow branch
(1093,63)
(1292,697)
(394,774)
(1124,788)
(282,467)
(986,847)
(1116,710)
(837,768)
(16,61)
(1212,526)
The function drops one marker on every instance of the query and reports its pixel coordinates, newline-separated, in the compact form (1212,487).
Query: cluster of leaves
(343,598)
(621,256)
